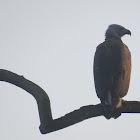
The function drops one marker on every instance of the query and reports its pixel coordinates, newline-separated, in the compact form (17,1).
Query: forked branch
(48,124)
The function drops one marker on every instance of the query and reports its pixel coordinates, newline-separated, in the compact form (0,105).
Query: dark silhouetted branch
(48,124)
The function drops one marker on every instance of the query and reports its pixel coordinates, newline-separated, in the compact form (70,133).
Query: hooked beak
(127,32)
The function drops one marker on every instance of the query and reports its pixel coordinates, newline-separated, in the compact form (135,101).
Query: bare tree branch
(38,93)
(48,124)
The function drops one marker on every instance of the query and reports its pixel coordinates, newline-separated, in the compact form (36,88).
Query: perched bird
(112,69)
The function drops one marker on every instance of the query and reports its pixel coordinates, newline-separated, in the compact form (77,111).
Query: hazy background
(52,43)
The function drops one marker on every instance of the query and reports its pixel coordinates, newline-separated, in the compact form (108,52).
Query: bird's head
(116,31)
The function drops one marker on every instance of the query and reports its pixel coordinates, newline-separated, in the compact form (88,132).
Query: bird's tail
(112,108)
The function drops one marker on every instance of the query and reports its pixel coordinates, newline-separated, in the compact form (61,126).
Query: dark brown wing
(102,70)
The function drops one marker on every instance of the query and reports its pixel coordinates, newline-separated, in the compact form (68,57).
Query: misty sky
(52,43)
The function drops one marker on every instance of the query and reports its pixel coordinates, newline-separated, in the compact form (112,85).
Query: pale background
(52,43)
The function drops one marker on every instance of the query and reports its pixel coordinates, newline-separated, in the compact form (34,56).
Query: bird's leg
(119,105)
(118,109)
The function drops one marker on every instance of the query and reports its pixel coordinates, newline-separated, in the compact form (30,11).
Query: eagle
(112,70)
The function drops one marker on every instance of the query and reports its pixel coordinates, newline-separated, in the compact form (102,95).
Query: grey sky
(52,43)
